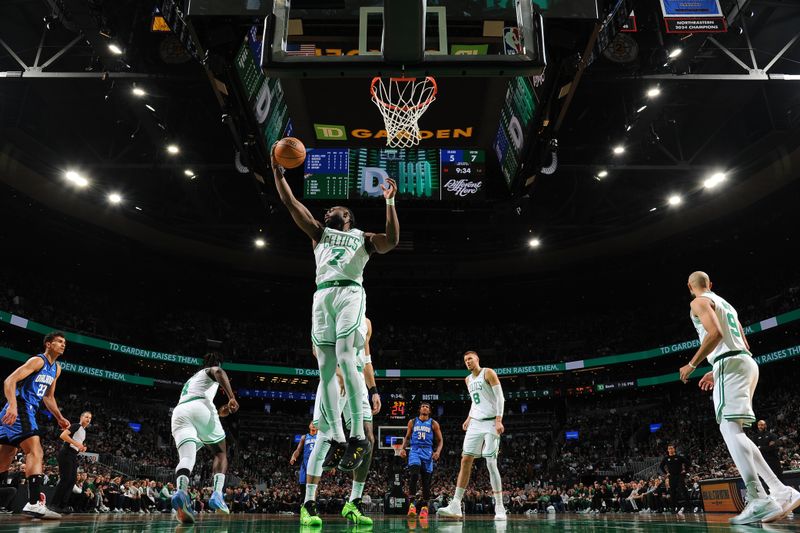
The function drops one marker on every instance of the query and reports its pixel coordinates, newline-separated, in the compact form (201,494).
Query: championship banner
(693,16)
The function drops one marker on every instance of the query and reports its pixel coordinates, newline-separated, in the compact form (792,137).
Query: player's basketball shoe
(453,510)
(500,513)
(354,454)
(758,509)
(423,513)
(217,503)
(789,500)
(352,511)
(412,511)
(183,507)
(309,515)
(40,510)
(334,455)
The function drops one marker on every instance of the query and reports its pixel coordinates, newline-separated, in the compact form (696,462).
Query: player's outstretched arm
(385,242)
(407,438)
(49,401)
(701,308)
(437,434)
(300,213)
(298,450)
(34,364)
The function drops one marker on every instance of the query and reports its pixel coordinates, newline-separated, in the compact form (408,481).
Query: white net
(402,101)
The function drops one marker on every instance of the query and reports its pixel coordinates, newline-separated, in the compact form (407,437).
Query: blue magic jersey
(308,447)
(422,434)
(32,389)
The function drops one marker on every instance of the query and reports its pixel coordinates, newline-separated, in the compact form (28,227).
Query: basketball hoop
(397,445)
(402,101)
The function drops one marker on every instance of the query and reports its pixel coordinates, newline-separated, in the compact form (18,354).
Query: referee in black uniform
(73,438)
(767,443)
(674,465)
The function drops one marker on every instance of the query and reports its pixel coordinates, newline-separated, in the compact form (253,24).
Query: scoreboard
(342,173)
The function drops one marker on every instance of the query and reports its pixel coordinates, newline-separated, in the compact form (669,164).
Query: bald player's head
(699,283)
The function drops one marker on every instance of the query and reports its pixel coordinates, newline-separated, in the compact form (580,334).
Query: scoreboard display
(397,409)
(341,173)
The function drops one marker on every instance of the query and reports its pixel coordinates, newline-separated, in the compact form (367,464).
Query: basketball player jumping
(421,434)
(484,425)
(338,326)
(195,423)
(29,385)
(733,378)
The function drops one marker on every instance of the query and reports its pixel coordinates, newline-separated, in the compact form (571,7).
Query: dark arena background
(580,160)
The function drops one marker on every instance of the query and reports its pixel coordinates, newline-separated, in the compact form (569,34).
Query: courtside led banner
(693,16)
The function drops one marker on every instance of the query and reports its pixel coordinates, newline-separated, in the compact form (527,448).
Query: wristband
(373,391)
(390,201)
(691,365)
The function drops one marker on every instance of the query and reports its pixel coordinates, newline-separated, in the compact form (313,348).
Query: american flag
(301,49)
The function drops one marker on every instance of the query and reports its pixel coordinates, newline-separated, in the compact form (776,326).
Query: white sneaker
(680,511)
(789,500)
(453,510)
(757,510)
(500,514)
(40,510)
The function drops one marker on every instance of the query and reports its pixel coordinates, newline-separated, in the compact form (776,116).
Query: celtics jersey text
(732,339)
(482,397)
(341,255)
(199,385)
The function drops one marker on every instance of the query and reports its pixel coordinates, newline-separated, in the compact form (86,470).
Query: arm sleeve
(499,399)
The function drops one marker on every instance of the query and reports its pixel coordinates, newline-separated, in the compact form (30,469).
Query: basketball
(290,152)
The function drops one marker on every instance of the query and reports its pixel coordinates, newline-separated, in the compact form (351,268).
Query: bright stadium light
(714,180)
(674,200)
(653,92)
(534,243)
(115,49)
(115,198)
(76,178)
(602,174)
(260,243)
(189,173)
(137,91)
(675,52)
(618,149)
(151,108)
(173,149)
(641,109)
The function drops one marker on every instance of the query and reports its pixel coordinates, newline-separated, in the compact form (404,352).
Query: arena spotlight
(151,108)
(618,149)
(652,209)
(641,109)
(260,243)
(675,52)
(601,174)
(653,92)
(114,198)
(138,91)
(674,200)
(115,49)
(534,243)
(189,173)
(76,178)
(629,127)
(173,149)
(714,180)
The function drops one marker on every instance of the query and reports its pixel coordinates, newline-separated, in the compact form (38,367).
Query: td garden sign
(337,132)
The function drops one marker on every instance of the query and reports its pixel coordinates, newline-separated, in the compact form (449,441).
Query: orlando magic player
(484,425)
(421,434)
(28,386)
(306,445)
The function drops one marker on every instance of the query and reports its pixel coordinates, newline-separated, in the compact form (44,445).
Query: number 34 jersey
(341,255)
(732,340)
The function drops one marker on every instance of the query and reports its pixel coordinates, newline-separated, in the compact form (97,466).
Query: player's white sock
(187,454)
(219,482)
(459,494)
(357,491)
(495,480)
(742,455)
(765,472)
(183,482)
(311,492)
(346,355)
(331,419)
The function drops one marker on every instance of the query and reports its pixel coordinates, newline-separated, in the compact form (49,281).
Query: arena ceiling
(723,106)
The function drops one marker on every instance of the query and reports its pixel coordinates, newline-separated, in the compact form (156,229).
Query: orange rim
(427,102)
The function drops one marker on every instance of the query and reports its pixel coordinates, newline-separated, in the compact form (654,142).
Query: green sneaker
(352,511)
(309,515)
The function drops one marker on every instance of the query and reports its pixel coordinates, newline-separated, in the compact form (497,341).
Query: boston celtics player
(338,326)
(195,423)
(484,425)
(733,378)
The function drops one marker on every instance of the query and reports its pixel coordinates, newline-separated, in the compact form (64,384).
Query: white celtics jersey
(732,340)
(341,255)
(482,397)
(199,386)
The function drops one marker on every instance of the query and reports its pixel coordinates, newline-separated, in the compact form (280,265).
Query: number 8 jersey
(482,397)
(341,255)
(732,340)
